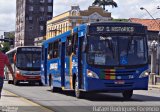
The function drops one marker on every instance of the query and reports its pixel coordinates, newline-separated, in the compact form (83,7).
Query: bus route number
(100,28)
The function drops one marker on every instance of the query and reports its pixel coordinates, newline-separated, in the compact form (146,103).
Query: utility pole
(158,7)
(154,48)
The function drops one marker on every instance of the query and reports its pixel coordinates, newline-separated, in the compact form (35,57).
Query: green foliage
(5,47)
(123,20)
(104,3)
(11,35)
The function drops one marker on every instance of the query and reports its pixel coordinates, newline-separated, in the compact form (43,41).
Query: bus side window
(69,46)
(55,49)
(75,43)
(50,51)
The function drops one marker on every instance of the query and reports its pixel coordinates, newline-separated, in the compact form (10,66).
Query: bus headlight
(18,72)
(92,74)
(144,74)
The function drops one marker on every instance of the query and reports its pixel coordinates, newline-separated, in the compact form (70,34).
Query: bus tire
(15,82)
(10,82)
(127,94)
(40,83)
(78,93)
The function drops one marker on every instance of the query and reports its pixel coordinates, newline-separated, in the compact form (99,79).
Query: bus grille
(112,74)
(119,85)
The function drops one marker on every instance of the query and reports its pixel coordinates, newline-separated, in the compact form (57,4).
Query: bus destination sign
(30,49)
(115,29)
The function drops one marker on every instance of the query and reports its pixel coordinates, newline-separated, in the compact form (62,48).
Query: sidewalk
(154,86)
(12,102)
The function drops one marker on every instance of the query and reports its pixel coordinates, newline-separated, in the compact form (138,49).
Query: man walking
(4,61)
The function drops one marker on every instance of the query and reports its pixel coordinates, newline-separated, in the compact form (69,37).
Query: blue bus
(97,57)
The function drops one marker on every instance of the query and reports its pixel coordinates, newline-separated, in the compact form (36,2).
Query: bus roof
(115,23)
(57,37)
(82,26)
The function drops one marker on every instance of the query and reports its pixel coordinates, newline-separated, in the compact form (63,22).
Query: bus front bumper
(28,78)
(116,85)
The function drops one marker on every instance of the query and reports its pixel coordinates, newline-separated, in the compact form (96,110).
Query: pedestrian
(4,61)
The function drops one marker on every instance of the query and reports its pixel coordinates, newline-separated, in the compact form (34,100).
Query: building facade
(153,27)
(39,40)
(67,20)
(31,18)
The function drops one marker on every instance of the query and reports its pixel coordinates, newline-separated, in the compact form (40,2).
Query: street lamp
(154,47)
(158,7)
(142,8)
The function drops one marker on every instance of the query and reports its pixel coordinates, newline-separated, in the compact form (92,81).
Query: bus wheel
(77,91)
(40,83)
(127,94)
(15,82)
(10,82)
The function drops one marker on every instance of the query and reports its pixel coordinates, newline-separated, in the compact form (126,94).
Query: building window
(42,9)
(50,8)
(73,24)
(30,8)
(41,28)
(49,17)
(42,1)
(66,27)
(41,19)
(49,1)
(30,27)
(31,1)
(30,18)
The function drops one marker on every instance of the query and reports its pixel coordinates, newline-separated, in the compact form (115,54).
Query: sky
(126,9)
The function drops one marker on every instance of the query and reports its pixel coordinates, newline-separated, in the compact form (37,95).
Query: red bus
(25,61)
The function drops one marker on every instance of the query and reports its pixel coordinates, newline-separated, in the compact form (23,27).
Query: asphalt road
(66,102)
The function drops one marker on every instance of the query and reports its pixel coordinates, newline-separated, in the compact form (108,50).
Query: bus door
(80,58)
(62,58)
(68,62)
(44,65)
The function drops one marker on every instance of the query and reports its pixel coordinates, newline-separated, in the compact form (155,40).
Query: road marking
(28,101)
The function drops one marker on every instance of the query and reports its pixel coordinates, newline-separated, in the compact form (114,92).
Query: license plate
(119,82)
(32,77)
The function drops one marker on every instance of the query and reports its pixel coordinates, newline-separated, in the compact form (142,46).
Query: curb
(154,86)
(34,105)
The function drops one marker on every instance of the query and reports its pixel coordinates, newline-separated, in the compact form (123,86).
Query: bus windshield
(116,50)
(28,60)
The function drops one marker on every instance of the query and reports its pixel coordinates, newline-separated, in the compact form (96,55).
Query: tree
(104,3)
(11,35)
(7,42)
(5,47)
